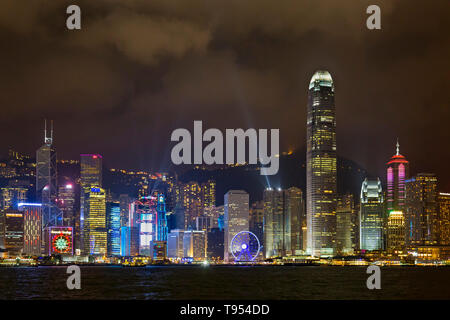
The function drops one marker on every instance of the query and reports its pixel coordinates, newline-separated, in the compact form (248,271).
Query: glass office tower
(321,193)
(371,215)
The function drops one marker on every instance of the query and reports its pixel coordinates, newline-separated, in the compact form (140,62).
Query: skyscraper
(283,220)
(32,228)
(236,216)
(397,174)
(194,244)
(12,196)
(95,232)
(444,218)
(90,176)
(256,221)
(321,193)
(396,231)
(345,224)
(208,193)
(66,203)
(13,232)
(175,244)
(113,227)
(421,212)
(46,180)
(294,219)
(91,170)
(371,215)
(273,200)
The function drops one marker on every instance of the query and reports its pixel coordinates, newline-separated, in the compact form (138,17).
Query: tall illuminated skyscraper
(113,226)
(421,212)
(95,231)
(371,215)
(321,193)
(90,176)
(46,180)
(236,216)
(397,173)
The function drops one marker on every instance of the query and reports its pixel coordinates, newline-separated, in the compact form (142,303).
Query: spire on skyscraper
(48,140)
(398,148)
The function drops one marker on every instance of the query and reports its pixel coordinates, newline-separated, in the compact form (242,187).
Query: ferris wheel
(245,246)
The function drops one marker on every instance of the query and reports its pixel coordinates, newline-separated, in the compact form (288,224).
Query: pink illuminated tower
(397,173)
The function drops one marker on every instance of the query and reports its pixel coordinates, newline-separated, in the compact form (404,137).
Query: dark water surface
(225,282)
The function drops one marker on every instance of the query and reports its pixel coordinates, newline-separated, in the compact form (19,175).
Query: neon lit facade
(113,225)
(148,215)
(397,173)
(321,189)
(95,234)
(60,240)
(90,176)
(32,228)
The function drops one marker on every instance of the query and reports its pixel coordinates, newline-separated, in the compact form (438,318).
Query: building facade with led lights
(32,228)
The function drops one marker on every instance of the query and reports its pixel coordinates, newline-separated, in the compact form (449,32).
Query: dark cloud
(139,69)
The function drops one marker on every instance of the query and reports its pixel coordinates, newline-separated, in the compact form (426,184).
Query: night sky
(139,69)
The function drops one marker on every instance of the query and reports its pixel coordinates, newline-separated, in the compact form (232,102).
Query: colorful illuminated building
(95,232)
(90,176)
(113,227)
(422,209)
(125,241)
(32,228)
(371,215)
(321,188)
(60,240)
(148,215)
(397,173)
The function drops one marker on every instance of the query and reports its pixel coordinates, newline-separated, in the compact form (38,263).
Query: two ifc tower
(321,159)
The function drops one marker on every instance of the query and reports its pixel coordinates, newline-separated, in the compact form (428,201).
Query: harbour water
(225,282)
